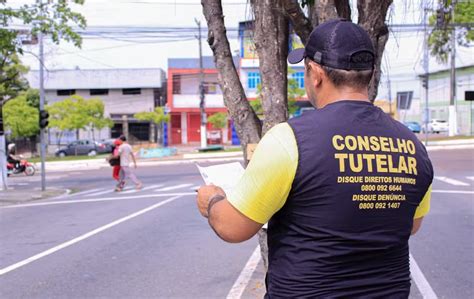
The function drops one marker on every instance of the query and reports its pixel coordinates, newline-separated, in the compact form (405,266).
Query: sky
(402,57)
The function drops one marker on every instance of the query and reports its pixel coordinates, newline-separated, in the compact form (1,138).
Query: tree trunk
(271,42)
(246,122)
(326,10)
(372,14)
(343,9)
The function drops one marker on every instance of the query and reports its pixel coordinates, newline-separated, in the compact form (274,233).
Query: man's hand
(205,193)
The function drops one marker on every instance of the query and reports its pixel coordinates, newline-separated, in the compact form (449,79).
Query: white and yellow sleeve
(267,181)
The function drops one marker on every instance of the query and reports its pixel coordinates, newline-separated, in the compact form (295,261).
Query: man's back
(125,151)
(344,228)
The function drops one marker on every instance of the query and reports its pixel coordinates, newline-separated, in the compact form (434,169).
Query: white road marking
(86,192)
(173,187)
(110,190)
(84,236)
(470,178)
(244,278)
(450,181)
(61,202)
(453,191)
(196,188)
(420,280)
(143,189)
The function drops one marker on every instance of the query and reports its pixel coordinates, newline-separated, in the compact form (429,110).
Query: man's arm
(228,223)
(421,211)
(133,158)
(260,193)
(416,225)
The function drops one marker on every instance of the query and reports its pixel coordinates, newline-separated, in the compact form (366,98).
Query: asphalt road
(153,243)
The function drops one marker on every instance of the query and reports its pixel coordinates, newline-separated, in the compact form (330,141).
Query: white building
(123,91)
(438,96)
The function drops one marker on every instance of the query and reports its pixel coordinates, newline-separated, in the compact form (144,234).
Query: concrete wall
(114,103)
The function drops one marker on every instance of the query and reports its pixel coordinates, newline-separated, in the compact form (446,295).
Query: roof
(98,78)
(193,63)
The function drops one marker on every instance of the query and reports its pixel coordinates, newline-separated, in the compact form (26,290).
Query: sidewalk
(15,195)
(181,157)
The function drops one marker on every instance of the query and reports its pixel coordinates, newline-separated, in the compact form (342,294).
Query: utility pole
(41,79)
(452,100)
(426,78)
(202,103)
(3,153)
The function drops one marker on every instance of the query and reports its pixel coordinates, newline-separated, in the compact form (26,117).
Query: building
(123,91)
(184,98)
(407,94)
(249,64)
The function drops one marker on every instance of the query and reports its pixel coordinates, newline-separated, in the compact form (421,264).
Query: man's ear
(316,73)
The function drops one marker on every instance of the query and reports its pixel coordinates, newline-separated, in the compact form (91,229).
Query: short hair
(350,78)
(123,138)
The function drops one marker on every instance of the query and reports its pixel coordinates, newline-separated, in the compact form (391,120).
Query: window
(299,77)
(98,92)
(253,79)
(210,87)
(131,91)
(176,84)
(65,92)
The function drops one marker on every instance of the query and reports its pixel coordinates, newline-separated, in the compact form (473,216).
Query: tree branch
(301,24)
(372,14)
(343,9)
(246,122)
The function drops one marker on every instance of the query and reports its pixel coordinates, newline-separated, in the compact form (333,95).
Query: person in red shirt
(116,167)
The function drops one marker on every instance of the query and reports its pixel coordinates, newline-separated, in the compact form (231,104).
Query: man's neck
(344,94)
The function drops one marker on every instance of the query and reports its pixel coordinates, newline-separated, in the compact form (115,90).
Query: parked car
(413,126)
(82,147)
(109,144)
(437,126)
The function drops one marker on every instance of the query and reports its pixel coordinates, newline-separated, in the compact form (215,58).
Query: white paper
(225,176)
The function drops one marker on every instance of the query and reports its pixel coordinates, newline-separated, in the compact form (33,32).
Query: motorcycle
(23,167)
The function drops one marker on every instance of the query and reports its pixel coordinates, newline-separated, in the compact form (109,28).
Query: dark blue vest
(344,229)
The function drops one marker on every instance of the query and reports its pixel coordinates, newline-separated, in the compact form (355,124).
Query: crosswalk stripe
(101,192)
(86,192)
(173,187)
(143,189)
(470,178)
(451,181)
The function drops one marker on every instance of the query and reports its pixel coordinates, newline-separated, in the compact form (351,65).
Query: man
(125,153)
(342,187)
(12,158)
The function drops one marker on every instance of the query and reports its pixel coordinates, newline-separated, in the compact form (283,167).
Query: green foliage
(20,117)
(11,76)
(76,113)
(94,112)
(294,93)
(158,116)
(33,97)
(218,120)
(439,39)
(54,18)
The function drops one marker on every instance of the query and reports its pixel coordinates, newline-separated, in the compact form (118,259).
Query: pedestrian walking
(114,160)
(342,187)
(125,153)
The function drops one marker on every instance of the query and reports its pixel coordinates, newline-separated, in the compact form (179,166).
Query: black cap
(339,44)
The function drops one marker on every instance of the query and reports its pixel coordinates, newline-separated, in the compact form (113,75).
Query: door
(175,129)
(194,129)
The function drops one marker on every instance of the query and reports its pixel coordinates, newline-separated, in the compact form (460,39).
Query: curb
(4,202)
